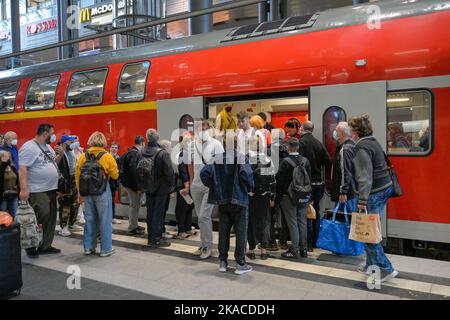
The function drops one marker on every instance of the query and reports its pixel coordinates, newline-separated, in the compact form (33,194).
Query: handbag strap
(48,157)
(388,162)
(345,211)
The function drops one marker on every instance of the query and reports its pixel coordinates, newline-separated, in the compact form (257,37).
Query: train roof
(329,19)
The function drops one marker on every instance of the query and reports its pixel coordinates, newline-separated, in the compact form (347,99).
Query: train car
(390,61)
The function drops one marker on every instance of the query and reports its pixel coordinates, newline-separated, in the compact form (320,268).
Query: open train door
(176,114)
(334,103)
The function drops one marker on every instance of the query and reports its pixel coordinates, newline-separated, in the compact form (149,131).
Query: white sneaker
(116,221)
(390,276)
(81,220)
(206,253)
(65,232)
(75,228)
(167,235)
(223,266)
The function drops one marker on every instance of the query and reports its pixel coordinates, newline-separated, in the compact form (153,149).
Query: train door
(176,114)
(331,104)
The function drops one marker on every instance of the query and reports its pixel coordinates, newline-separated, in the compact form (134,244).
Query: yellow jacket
(107,162)
(226,121)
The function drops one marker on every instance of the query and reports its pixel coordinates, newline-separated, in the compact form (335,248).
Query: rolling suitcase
(10,261)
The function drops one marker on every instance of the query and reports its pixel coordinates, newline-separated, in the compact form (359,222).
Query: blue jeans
(98,216)
(374,252)
(9,205)
(156,208)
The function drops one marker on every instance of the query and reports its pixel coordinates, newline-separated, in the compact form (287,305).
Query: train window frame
(103,89)
(25,104)
(120,80)
(431,123)
(15,96)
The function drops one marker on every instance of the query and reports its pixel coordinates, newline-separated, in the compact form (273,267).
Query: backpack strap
(292,162)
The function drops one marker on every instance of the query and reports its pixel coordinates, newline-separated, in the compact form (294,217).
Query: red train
(394,66)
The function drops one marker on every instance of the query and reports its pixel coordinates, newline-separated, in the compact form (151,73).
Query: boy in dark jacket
(127,164)
(229,178)
(318,158)
(295,213)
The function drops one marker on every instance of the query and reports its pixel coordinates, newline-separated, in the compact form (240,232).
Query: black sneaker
(32,253)
(159,244)
(136,232)
(290,254)
(304,253)
(140,228)
(50,250)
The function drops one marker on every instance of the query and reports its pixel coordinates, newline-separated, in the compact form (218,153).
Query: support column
(15,32)
(64,52)
(262,12)
(201,24)
(274,10)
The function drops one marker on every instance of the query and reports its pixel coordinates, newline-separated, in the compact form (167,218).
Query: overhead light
(398,100)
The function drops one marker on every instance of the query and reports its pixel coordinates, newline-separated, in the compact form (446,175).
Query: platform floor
(138,272)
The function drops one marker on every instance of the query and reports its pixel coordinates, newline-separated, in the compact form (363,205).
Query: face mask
(335,135)
(228,109)
(74,145)
(205,135)
(52,138)
(14,142)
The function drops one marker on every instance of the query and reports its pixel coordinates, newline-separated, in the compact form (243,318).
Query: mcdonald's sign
(85,15)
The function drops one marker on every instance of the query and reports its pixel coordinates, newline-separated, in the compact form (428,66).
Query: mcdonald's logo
(85,15)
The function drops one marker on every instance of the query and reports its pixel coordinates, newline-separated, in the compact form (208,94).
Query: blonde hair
(257,122)
(97,139)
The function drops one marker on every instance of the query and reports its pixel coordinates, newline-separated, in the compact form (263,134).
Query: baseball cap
(67,137)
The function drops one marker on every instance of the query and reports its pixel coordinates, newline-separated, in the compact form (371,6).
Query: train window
(41,93)
(331,117)
(132,82)
(8,92)
(408,123)
(86,88)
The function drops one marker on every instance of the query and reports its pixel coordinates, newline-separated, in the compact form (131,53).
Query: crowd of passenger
(229,167)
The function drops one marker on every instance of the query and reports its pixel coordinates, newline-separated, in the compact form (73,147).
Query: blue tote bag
(333,236)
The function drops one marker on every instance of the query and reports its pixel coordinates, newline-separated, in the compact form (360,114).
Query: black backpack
(124,168)
(300,189)
(147,178)
(92,177)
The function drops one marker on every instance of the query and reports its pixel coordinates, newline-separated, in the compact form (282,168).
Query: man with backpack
(293,194)
(128,164)
(155,177)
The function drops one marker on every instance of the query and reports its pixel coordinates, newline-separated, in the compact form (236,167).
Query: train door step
(330,257)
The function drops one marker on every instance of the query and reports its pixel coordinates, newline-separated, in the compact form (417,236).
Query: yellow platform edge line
(78,111)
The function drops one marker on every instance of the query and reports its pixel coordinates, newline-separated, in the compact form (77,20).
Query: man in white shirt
(202,150)
(38,175)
